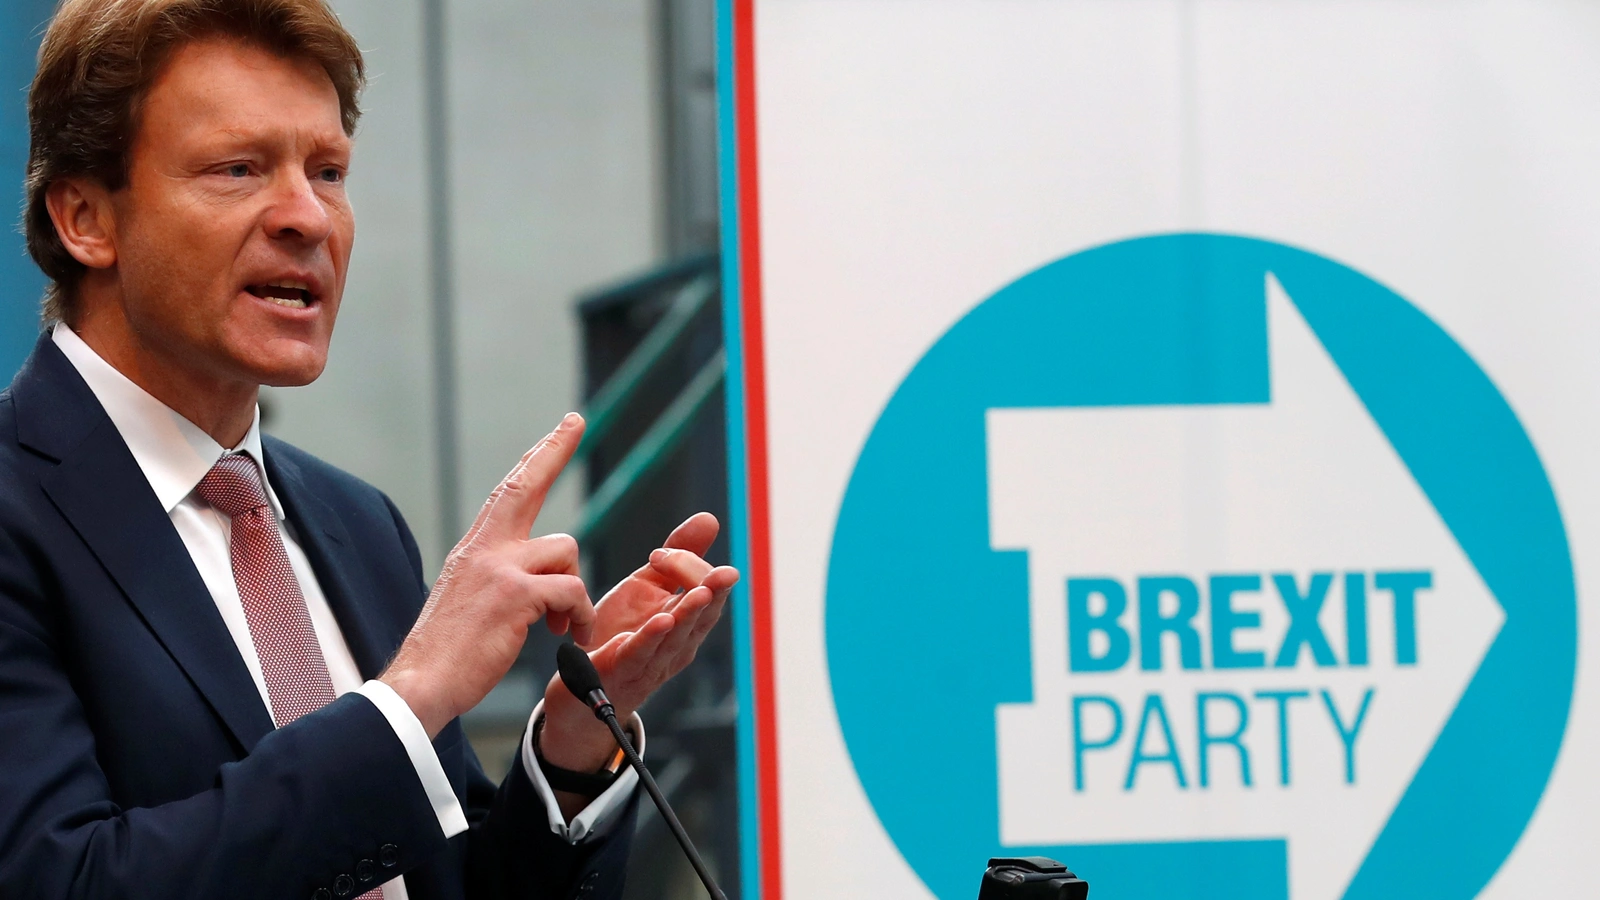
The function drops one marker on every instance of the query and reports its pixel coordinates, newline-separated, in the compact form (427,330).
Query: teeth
(285,301)
(291,285)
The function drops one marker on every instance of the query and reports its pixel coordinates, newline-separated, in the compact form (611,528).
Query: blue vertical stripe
(738,471)
(21,283)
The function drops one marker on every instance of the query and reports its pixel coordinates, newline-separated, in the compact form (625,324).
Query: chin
(291,376)
(294,369)
(296,379)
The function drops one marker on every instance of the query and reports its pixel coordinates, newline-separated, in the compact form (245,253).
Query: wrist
(571,736)
(586,783)
(414,688)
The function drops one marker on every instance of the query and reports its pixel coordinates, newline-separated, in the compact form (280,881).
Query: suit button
(388,855)
(343,885)
(365,870)
(321,894)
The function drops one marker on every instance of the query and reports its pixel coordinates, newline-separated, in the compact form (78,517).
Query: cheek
(171,252)
(152,278)
(340,244)
(343,240)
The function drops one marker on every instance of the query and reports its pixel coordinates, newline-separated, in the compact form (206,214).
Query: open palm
(649,627)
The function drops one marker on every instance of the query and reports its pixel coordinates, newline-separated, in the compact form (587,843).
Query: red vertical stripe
(755,394)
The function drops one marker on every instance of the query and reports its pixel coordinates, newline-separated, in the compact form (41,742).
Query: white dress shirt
(175,455)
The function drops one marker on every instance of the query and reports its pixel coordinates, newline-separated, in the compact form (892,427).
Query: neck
(221,407)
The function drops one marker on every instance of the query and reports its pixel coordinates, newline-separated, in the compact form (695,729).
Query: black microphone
(579,675)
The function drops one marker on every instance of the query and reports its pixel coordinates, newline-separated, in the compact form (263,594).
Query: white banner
(1171,425)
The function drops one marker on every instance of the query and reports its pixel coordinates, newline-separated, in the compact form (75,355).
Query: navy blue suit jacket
(136,756)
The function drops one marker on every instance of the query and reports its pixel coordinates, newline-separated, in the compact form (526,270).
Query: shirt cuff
(408,728)
(601,815)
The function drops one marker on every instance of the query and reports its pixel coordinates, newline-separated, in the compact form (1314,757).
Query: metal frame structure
(656,453)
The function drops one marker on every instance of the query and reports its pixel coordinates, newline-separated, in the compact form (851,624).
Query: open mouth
(291,294)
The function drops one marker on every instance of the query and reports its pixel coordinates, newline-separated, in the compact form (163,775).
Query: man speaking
(222,673)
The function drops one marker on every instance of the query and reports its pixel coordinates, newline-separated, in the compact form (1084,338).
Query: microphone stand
(580,677)
(607,713)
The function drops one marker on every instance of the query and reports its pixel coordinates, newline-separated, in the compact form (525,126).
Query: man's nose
(297,212)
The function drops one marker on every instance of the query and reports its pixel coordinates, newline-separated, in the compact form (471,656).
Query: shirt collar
(173,452)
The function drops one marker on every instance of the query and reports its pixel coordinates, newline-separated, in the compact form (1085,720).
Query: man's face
(233,233)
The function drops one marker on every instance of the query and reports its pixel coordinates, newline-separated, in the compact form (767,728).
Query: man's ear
(84,220)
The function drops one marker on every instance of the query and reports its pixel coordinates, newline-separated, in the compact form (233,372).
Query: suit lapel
(344,580)
(101,491)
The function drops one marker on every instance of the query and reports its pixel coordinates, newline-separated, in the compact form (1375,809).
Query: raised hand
(495,583)
(647,629)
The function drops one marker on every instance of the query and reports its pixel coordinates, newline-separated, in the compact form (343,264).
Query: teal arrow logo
(1342,541)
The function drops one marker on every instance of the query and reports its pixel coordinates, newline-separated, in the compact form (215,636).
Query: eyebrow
(297,136)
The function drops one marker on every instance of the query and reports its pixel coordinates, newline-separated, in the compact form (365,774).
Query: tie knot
(233,485)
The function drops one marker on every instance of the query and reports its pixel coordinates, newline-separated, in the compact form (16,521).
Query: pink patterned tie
(291,659)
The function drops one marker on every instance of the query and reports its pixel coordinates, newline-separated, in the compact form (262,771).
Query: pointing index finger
(514,504)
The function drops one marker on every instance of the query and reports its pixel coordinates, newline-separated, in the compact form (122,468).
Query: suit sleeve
(511,853)
(310,801)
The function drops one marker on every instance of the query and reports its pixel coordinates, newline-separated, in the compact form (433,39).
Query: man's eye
(239,170)
(332,176)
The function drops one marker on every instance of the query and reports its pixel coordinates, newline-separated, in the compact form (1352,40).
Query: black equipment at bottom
(1031,878)
(579,675)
